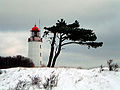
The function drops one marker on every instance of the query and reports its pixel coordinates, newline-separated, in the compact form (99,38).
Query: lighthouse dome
(35,28)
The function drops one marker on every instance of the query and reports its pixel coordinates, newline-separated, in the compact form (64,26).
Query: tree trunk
(51,51)
(54,59)
(58,52)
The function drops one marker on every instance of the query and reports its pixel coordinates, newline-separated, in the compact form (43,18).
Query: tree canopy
(64,34)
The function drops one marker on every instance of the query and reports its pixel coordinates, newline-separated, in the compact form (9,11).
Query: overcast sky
(17,17)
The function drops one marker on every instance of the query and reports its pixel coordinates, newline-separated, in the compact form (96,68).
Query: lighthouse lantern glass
(35,34)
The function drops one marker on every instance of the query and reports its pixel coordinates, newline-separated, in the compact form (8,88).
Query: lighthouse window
(37,33)
(40,46)
(32,33)
(40,54)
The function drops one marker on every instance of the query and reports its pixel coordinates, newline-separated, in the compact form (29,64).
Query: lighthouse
(34,46)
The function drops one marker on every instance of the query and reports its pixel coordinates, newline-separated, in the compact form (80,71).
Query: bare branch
(89,44)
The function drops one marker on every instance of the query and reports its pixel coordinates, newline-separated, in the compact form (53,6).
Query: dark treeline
(15,61)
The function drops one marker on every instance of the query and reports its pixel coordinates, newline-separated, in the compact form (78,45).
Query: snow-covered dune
(58,79)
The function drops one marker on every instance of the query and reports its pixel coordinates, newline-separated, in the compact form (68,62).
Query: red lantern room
(35,34)
(35,28)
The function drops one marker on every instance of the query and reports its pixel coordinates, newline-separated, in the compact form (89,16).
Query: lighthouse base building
(34,46)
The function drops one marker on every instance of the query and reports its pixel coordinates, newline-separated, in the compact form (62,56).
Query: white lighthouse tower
(34,46)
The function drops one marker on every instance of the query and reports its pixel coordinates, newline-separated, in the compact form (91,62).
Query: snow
(59,79)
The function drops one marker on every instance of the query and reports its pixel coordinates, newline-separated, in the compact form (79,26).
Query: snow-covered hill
(58,79)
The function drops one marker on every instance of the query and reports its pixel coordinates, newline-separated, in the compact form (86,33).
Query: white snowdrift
(58,79)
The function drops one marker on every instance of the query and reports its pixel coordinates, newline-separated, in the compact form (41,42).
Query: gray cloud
(24,13)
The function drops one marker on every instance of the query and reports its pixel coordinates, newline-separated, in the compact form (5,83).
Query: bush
(21,85)
(15,61)
(51,82)
(101,68)
(112,66)
(37,83)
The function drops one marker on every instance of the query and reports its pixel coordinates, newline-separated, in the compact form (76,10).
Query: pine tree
(64,34)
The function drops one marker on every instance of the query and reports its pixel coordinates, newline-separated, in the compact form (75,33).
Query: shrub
(35,80)
(101,68)
(21,85)
(112,66)
(37,83)
(115,67)
(51,82)
(15,61)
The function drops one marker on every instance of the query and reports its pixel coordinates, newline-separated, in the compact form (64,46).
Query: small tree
(64,34)
(112,66)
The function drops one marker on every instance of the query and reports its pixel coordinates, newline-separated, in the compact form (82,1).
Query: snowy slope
(58,79)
